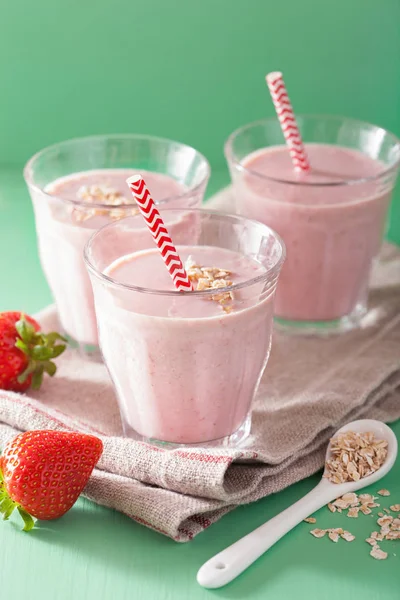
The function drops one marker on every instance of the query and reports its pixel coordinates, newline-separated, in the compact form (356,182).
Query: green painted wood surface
(75,68)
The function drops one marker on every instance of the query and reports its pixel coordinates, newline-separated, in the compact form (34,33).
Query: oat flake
(377,536)
(318,533)
(208,278)
(371,541)
(365,509)
(385,520)
(102,194)
(377,553)
(333,535)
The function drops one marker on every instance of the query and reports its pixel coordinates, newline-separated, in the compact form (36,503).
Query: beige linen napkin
(311,386)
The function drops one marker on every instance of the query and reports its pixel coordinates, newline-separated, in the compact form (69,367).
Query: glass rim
(269,273)
(29,168)
(230,155)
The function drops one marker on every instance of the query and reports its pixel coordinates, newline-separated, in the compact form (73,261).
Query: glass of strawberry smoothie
(186,365)
(332,218)
(79,185)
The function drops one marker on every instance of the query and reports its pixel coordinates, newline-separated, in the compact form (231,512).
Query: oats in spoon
(354,456)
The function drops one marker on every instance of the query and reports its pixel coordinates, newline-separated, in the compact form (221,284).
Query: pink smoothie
(63,230)
(185,370)
(332,232)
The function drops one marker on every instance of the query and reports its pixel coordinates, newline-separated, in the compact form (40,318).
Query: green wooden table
(97,554)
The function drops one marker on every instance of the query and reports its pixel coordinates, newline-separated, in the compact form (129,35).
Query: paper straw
(287,120)
(159,232)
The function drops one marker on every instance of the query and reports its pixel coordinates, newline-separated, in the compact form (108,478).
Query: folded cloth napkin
(310,388)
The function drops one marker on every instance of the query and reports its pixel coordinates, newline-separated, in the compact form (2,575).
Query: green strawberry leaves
(41,349)
(29,522)
(7,507)
(6,504)
(41,352)
(50,368)
(25,330)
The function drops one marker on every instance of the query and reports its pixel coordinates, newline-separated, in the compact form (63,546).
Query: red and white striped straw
(160,233)
(287,120)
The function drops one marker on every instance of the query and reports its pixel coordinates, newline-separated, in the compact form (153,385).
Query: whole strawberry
(25,352)
(42,473)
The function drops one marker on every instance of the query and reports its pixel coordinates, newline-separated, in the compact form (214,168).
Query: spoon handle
(232,561)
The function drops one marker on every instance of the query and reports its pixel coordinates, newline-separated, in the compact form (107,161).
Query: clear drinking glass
(183,376)
(176,174)
(332,224)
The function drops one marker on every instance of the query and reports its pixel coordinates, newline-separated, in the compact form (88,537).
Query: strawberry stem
(6,508)
(40,348)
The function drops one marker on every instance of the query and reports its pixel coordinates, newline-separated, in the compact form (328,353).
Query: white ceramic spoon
(228,564)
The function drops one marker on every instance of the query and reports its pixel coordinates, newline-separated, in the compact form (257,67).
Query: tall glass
(184,375)
(64,221)
(331,222)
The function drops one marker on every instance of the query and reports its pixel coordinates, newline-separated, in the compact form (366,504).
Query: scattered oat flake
(338,530)
(310,520)
(353,512)
(377,553)
(385,520)
(381,514)
(366,498)
(333,535)
(339,503)
(395,507)
(350,498)
(393,535)
(346,535)
(383,492)
(365,509)
(387,511)
(332,507)
(371,541)
(318,533)
(396,524)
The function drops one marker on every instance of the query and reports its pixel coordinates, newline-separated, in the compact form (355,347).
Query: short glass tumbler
(183,376)
(176,174)
(332,224)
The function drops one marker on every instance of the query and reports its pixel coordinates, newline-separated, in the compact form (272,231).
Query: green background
(192,71)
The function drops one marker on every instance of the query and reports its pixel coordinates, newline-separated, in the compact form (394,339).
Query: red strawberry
(25,352)
(42,473)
